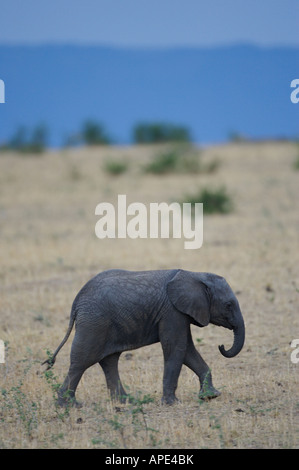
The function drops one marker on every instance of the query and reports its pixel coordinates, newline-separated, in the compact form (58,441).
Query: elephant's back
(132,299)
(120,282)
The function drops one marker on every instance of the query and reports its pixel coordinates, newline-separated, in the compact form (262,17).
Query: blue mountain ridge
(213,91)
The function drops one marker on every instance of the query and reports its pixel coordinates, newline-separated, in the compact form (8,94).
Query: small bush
(94,134)
(157,132)
(163,163)
(296,163)
(115,167)
(180,159)
(24,141)
(214,201)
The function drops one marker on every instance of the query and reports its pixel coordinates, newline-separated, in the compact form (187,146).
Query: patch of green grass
(127,422)
(182,158)
(16,402)
(115,167)
(215,201)
(296,163)
(163,163)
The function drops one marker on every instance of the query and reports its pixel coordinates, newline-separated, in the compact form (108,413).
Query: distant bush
(148,133)
(163,163)
(214,201)
(94,133)
(296,163)
(115,167)
(182,158)
(25,141)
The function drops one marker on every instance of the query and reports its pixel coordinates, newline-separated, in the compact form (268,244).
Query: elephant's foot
(207,393)
(66,400)
(119,397)
(169,400)
(69,403)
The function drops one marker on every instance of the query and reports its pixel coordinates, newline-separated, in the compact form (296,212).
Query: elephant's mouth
(223,322)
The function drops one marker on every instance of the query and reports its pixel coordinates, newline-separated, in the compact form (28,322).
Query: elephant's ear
(189,295)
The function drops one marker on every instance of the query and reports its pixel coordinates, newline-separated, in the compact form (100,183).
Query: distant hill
(215,92)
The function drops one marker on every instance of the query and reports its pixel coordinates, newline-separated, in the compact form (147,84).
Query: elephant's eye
(228,305)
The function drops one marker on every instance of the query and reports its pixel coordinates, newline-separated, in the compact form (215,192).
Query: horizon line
(145,47)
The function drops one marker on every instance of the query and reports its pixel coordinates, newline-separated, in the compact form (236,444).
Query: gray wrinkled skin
(120,310)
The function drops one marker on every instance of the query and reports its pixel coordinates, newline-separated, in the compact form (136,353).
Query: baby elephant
(120,310)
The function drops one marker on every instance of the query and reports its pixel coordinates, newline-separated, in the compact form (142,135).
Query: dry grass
(49,250)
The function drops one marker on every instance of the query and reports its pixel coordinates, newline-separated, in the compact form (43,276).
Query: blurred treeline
(94,133)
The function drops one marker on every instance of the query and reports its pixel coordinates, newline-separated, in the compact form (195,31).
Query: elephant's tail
(52,358)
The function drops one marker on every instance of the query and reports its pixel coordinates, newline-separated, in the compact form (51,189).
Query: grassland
(48,250)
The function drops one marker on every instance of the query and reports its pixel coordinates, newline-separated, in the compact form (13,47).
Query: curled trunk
(239,338)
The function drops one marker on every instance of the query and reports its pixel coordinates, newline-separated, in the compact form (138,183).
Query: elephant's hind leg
(82,358)
(110,367)
(66,394)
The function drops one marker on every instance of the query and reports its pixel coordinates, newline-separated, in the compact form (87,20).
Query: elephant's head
(207,298)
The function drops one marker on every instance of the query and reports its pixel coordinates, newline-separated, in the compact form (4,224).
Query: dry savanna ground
(49,250)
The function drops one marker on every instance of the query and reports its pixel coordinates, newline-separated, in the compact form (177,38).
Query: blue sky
(150,23)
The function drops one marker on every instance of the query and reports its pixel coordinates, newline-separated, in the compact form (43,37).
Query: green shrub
(182,158)
(25,141)
(163,163)
(296,163)
(157,132)
(179,159)
(214,201)
(115,167)
(94,133)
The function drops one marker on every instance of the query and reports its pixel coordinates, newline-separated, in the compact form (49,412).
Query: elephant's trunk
(239,338)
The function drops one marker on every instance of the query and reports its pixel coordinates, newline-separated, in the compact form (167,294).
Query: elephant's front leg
(172,369)
(195,362)
(173,339)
